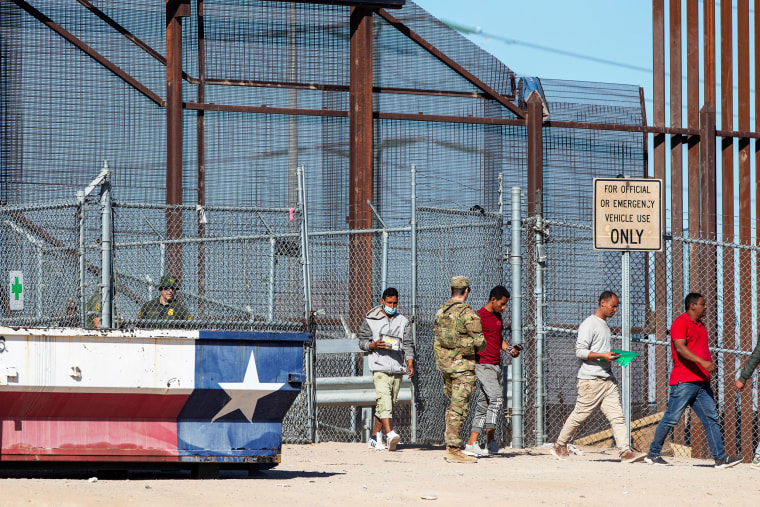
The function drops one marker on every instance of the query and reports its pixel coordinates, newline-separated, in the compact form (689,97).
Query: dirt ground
(331,474)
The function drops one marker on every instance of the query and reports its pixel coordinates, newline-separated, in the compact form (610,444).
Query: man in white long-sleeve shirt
(597,387)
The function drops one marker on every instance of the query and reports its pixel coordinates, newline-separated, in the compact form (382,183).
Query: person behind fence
(458,337)
(744,376)
(71,315)
(690,383)
(167,305)
(488,372)
(386,335)
(597,386)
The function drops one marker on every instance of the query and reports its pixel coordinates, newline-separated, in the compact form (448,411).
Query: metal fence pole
(414,297)
(106,279)
(540,258)
(626,328)
(517,374)
(80,253)
(309,363)
(384,263)
(500,180)
(270,299)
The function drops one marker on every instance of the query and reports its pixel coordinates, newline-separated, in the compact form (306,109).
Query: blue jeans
(699,396)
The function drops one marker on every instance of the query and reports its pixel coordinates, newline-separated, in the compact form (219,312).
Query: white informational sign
(627,214)
(16,290)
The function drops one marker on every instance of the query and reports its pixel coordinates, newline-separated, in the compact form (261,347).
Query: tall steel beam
(360,162)
(727,211)
(534,120)
(697,281)
(676,171)
(660,313)
(175,11)
(745,204)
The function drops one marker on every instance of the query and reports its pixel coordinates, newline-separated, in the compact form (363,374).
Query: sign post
(627,217)
(16,290)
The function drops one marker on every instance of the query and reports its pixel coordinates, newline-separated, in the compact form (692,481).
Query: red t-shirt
(491,323)
(695,334)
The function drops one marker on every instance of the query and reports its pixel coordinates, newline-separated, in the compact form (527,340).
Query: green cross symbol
(16,288)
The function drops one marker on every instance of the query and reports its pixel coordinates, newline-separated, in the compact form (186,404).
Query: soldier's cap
(460,281)
(168,282)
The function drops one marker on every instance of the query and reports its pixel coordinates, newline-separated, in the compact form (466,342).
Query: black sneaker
(727,462)
(657,460)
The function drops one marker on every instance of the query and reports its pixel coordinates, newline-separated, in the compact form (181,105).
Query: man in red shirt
(488,371)
(690,383)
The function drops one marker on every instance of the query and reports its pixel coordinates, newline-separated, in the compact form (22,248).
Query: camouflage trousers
(458,387)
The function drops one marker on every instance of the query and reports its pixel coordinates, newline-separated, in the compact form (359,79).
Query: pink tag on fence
(291,214)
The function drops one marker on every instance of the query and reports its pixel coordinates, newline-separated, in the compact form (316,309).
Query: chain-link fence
(575,275)
(350,270)
(40,247)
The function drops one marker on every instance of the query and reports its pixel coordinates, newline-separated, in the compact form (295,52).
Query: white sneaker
(493,447)
(376,443)
(474,450)
(393,439)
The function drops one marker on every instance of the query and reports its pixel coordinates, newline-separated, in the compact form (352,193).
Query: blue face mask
(389,311)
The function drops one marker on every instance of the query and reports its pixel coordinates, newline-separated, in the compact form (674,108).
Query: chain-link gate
(350,269)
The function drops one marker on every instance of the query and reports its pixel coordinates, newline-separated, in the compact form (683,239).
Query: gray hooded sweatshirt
(374,328)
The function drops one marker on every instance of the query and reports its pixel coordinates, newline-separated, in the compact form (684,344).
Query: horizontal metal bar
(205,239)
(37,207)
(352,382)
(338,346)
(195,106)
(343,88)
(358,397)
(622,128)
(448,211)
(473,120)
(738,134)
(246,209)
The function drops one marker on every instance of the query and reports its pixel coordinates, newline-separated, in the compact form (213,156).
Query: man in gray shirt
(597,387)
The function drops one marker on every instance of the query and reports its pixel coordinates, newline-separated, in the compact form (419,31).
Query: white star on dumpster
(246,394)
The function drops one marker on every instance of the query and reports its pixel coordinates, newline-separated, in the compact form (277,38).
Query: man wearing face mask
(386,335)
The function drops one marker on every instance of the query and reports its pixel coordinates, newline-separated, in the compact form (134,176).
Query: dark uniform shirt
(154,310)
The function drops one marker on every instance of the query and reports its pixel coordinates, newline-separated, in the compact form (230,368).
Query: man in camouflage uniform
(166,306)
(458,336)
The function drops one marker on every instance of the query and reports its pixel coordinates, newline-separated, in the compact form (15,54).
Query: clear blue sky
(611,30)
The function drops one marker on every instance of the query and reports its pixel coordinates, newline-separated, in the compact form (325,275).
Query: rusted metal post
(708,222)
(534,123)
(692,120)
(697,281)
(676,185)
(745,209)
(747,450)
(727,157)
(360,161)
(708,38)
(175,11)
(658,318)
(201,261)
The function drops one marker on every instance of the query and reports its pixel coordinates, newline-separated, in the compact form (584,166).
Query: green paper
(626,356)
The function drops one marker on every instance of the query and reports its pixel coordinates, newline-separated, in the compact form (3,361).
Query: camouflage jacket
(458,335)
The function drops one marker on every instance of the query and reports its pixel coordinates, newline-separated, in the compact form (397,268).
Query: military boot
(455,455)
